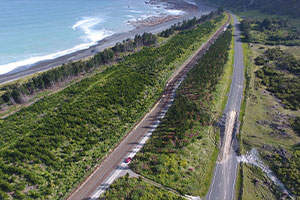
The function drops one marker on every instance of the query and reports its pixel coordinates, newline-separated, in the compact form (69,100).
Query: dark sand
(103,44)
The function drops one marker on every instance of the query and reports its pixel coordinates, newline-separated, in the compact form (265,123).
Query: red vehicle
(128,160)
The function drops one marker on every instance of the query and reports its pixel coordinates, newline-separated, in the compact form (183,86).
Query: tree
(266,24)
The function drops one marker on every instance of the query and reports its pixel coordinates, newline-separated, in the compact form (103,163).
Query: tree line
(17,93)
(47,147)
(280,7)
(161,158)
(186,24)
(276,31)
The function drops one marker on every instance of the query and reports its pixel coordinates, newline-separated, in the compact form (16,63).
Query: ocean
(36,30)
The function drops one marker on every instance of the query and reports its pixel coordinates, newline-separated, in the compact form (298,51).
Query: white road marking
(233,186)
(103,188)
(138,147)
(212,186)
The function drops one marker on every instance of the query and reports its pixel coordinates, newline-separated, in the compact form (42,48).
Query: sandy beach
(154,25)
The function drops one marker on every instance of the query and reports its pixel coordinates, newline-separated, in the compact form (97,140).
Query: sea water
(36,30)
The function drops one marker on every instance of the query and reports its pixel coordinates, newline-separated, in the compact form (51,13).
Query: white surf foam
(90,37)
(91,34)
(191,2)
(175,12)
(135,11)
(87,25)
(84,21)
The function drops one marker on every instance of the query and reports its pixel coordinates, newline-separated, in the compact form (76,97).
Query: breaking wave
(90,37)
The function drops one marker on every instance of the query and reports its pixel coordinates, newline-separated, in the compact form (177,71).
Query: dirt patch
(229,127)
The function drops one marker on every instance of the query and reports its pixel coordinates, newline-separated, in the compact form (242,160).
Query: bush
(160,159)
(296,125)
(284,86)
(49,143)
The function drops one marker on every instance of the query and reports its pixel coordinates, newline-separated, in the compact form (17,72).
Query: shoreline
(176,5)
(153,20)
(107,42)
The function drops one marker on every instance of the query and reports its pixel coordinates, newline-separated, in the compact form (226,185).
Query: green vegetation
(137,189)
(276,31)
(223,87)
(182,152)
(271,108)
(281,7)
(25,91)
(19,93)
(46,148)
(187,24)
(257,185)
(294,51)
(286,166)
(296,125)
(239,182)
(248,71)
(258,15)
(280,75)
(269,124)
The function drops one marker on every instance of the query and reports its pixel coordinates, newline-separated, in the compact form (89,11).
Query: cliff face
(281,7)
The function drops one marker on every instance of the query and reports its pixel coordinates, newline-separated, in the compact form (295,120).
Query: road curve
(107,169)
(223,183)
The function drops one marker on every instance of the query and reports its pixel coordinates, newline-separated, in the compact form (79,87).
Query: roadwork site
(227,136)
(223,183)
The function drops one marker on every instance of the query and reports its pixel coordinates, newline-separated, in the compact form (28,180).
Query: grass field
(137,189)
(255,14)
(295,51)
(257,185)
(261,105)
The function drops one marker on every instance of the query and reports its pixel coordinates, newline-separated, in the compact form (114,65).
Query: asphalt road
(223,183)
(110,168)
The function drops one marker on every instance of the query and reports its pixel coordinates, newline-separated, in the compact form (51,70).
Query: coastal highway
(109,169)
(223,183)
(103,44)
